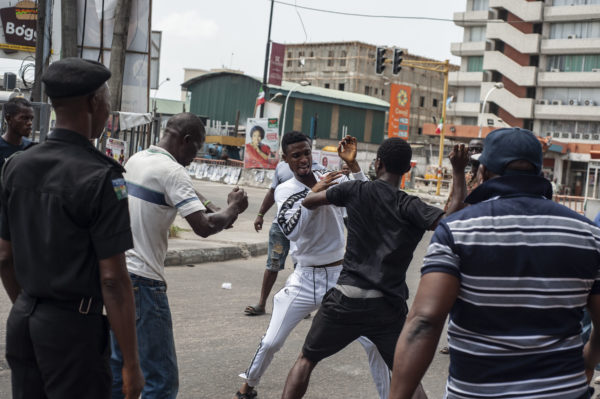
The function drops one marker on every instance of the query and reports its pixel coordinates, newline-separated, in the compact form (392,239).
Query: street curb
(181,257)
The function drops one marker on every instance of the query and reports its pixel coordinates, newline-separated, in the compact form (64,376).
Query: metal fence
(137,138)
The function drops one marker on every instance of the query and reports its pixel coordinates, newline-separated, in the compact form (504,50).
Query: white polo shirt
(158,187)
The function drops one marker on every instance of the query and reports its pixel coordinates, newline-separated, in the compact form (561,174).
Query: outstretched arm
(267,203)
(318,194)
(206,225)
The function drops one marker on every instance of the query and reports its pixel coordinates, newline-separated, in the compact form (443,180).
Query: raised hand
(239,198)
(326,182)
(347,149)
(459,157)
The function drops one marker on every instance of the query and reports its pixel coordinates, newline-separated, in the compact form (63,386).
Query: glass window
(479,5)
(477,34)
(575,30)
(367,90)
(341,86)
(469,120)
(475,64)
(573,63)
(327,85)
(591,62)
(557,3)
(343,60)
(330,60)
(472,94)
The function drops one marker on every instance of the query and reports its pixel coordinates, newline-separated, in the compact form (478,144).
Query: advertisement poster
(261,143)
(399,114)
(117,150)
(330,160)
(276,64)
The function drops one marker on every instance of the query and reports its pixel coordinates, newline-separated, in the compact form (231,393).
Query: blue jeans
(279,246)
(156,345)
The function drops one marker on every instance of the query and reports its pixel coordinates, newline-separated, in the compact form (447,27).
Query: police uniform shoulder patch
(120,188)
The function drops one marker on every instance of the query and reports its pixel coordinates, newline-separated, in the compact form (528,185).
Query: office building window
(480,5)
(435,102)
(572,95)
(472,94)
(343,60)
(574,2)
(469,120)
(475,64)
(421,101)
(330,58)
(477,34)
(312,54)
(367,90)
(573,63)
(341,86)
(382,93)
(289,61)
(376,91)
(575,30)
(327,85)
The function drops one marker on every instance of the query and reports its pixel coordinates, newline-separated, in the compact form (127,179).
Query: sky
(233,33)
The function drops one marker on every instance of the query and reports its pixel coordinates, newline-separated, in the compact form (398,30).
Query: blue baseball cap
(503,146)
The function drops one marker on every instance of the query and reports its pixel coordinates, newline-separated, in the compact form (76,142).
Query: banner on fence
(262,139)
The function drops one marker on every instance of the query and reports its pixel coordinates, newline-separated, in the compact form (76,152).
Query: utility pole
(117,52)
(267,56)
(444,68)
(69,28)
(42,47)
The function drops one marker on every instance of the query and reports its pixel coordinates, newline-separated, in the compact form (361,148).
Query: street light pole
(303,83)
(156,94)
(498,85)
(267,54)
(441,155)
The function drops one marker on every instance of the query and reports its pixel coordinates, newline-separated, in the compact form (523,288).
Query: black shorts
(341,320)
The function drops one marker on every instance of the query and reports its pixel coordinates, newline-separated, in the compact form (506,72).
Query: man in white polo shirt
(159,187)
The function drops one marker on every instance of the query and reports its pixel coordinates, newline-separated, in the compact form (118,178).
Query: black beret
(72,77)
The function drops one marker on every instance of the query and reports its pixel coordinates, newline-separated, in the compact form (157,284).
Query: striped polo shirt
(158,188)
(526,267)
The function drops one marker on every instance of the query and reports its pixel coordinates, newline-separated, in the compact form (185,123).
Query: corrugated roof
(331,94)
(308,92)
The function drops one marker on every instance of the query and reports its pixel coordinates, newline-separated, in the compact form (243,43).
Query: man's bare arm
(459,158)
(208,204)
(206,225)
(117,294)
(267,203)
(7,271)
(417,343)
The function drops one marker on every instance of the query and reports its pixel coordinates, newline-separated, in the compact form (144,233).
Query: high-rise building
(546,55)
(350,66)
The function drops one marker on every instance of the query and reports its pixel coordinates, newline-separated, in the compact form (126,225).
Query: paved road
(215,341)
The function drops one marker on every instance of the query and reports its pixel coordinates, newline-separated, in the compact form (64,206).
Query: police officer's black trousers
(57,353)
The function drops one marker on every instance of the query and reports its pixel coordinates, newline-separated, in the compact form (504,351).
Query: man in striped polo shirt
(514,270)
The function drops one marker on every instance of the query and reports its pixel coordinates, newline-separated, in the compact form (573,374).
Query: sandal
(248,395)
(445,350)
(254,310)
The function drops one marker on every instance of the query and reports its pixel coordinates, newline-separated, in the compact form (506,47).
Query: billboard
(399,114)
(97,41)
(276,64)
(262,139)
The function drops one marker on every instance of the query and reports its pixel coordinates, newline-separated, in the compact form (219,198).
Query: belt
(85,306)
(336,263)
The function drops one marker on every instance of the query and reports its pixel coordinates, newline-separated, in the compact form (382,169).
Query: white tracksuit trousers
(302,294)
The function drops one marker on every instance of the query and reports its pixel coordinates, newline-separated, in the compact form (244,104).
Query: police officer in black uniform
(64,227)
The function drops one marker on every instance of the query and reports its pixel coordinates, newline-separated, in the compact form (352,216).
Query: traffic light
(380,61)
(397,61)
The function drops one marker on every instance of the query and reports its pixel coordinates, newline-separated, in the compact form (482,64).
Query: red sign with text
(276,64)
(399,115)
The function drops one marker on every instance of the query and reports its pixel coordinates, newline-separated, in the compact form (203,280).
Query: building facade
(350,66)
(547,56)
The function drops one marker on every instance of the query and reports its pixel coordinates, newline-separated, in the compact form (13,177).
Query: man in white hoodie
(317,244)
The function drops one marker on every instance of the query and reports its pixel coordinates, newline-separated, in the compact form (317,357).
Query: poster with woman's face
(261,143)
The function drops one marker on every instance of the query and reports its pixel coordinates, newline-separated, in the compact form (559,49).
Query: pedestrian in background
(18,114)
